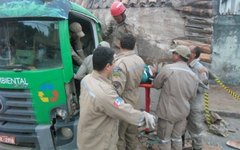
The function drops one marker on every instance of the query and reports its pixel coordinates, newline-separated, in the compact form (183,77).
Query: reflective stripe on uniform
(176,140)
(164,141)
(196,135)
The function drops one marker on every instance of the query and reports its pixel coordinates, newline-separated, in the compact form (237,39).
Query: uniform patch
(116,84)
(116,71)
(118,101)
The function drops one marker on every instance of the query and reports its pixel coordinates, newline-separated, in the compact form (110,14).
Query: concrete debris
(219,126)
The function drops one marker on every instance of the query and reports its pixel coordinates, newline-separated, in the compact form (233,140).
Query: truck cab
(39,104)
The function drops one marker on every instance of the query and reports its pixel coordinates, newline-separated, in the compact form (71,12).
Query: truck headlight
(67,132)
(62,113)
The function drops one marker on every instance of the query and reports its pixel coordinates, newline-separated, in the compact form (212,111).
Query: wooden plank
(199,26)
(202,36)
(196,11)
(206,57)
(195,29)
(204,39)
(202,4)
(199,20)
(205,48)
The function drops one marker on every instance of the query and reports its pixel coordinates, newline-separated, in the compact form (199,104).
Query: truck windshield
(29,45)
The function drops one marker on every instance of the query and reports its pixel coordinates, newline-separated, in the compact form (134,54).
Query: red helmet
(117,8)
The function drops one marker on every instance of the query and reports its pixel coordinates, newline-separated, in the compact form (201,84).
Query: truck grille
(16,106)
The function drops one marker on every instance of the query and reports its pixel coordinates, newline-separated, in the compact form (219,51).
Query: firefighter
(76,34)
(101,107)
(87,66)
(127,73)
(178,86)
(117,27)
(195,118)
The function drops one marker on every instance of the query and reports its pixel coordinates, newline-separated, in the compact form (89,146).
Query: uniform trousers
(170,134)
(127,136)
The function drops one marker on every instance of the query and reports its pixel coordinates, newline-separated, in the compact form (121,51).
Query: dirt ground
(211,141)
(219,101)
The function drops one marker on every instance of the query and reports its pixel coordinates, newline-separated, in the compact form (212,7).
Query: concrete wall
(159,26)
(226,49)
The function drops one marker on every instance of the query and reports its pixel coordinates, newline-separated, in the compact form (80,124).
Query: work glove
(149,120)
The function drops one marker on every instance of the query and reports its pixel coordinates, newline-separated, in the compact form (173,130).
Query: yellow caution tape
(207,114)
(227,89)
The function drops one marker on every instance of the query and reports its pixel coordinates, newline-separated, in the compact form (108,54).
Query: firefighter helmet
(117,8)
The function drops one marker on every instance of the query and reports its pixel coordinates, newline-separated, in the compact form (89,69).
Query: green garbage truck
(39,106)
